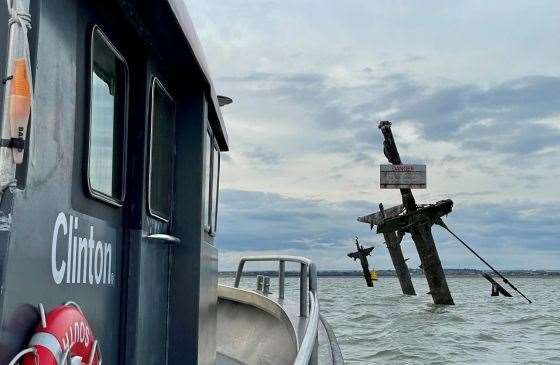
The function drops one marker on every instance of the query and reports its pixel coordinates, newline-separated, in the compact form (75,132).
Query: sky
(472,89)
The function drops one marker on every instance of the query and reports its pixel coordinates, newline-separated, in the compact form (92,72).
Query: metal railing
(307,276)
(307,353)
(308,302)
(336,354)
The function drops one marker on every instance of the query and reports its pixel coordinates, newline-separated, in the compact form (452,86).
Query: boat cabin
(114,205)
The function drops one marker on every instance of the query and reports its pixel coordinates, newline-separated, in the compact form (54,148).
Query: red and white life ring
(63,336)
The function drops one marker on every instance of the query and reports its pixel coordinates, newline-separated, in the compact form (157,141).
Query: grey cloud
(525,225)
(265,221)
(253,220)
(264,157)
(252,77)
(509,109)
(499,118)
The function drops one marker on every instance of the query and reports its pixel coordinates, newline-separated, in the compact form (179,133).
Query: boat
(374,275)
(283,330)
(112,136)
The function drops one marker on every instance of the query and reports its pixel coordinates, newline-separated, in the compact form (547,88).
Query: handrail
(291,258)
(309,342)
(308,271)
(336,354)
(307,353)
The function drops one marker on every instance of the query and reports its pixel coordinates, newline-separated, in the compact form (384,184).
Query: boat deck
(328,351)
(281,330)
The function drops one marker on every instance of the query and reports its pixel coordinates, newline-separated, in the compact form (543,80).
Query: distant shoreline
(413,273)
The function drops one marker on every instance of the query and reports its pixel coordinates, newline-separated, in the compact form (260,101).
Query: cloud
(268,221)
(264,158)
(512,224)
(258,222)
(469,92)
(474,139)
(495,119)
(502,118)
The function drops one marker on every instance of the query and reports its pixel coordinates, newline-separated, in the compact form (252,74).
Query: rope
(3,187)
(440,222)
(22,17)
(30,350)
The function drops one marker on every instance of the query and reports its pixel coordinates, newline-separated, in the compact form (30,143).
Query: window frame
(211,217)
(214,208)
(157,81)
(207,220)
(96,194)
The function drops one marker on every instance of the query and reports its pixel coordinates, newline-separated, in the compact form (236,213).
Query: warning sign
(402,176)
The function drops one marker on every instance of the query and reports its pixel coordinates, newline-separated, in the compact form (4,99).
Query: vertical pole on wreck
(399,263)
(365,266)
(421,233)
(362,254)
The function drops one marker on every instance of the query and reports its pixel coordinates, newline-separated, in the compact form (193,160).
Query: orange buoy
(20,104)
(20,82)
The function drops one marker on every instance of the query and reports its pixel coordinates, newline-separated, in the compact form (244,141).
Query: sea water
(379,325)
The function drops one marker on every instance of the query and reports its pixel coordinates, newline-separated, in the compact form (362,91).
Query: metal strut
(440,222)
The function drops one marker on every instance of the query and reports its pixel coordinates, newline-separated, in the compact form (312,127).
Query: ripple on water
(381,326)
(385,327)
(367,317)
(486,337)
(542,319)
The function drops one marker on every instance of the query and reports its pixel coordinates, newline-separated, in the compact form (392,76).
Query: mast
(420,226)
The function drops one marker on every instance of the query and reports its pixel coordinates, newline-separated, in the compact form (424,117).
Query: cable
(440,222)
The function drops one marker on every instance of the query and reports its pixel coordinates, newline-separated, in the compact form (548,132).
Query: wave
(543,318)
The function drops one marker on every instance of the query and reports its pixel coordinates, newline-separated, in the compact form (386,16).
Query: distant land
(413,272)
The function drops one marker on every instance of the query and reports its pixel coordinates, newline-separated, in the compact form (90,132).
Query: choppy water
(380,326)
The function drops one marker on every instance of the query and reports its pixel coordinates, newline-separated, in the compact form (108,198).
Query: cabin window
(215,187)
(162,152)
(107,127)
(207,180)
(211,183)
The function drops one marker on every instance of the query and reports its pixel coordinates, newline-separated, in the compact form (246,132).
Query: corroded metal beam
(377,218)
(393,242)
(427,214)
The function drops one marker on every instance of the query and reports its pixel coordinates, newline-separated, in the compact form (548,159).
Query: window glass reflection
(215,187)
(162,152)
(107,120)
(207,180)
